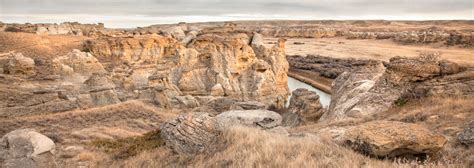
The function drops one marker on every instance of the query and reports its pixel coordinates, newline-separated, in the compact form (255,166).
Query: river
(294,84)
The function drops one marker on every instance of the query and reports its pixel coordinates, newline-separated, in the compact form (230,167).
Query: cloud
(286,9)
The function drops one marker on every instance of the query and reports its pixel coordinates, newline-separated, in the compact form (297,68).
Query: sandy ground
(371,49)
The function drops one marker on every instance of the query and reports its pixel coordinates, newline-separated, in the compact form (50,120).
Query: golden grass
(248,147)
(372,49)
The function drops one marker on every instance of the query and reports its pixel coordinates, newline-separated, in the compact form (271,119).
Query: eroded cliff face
(157,69)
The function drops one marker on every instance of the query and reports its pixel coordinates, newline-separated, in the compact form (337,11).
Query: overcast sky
(128,13)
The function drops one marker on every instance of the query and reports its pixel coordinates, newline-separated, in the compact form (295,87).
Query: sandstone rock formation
(299,31)
(198,132)
(374,88)
(17,64)
(304,107)
(326,66)
(391,139)
(190,133)
(350,94)
(26,148)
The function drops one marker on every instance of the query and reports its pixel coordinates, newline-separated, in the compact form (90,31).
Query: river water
(294,84)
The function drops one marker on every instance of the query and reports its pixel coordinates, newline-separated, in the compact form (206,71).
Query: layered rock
(393,139)
(82,63)
(373,89)
(351,94)
(190,134)
(199,132)
(26,148)
(17,64)
(213,64)
(304,107)
(326,66)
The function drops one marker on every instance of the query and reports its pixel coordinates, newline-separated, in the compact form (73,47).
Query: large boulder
(373,88)
(190,133)
(304,107)
(194,133)
(393,139)
(26,148)
(175,31)
(352,97)
(78,62)
(211,64)
(19,65)
(402,69)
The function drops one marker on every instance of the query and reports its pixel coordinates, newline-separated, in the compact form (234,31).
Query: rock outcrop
(351,94)
(304,107)
(199,132)
(217,64)
(393,139)
(78,62)
(26,148)
(326,66)
(375,88)
(17,64)
(466,137)
(71,28)
(190,133)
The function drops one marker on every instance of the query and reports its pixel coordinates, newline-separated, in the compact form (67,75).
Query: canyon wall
(158,69)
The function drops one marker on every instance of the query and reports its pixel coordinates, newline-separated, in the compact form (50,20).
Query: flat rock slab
(392,139)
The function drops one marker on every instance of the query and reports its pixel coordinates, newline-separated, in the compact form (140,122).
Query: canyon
(199,94)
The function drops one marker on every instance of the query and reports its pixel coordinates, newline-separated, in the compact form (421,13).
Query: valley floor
(371,49)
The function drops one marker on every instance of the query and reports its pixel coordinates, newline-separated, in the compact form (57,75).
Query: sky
(133,13)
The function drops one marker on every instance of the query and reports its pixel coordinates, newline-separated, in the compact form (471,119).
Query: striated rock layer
(219,64)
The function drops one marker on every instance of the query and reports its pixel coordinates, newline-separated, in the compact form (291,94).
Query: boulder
(194,133)
(304,107)
(26,148)
(466,137)
(393,139)
(190,133)
(404,69)
(175,31)
(189,37)
(351,96)
(217,90)
(19,65)
(262,119)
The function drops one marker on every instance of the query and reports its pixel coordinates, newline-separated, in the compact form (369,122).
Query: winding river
(294,84)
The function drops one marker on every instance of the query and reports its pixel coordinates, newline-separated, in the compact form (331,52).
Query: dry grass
(125,119)
(131,146)
(247,147)
(445,115)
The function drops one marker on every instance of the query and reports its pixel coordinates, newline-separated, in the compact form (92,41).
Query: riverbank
(311,78)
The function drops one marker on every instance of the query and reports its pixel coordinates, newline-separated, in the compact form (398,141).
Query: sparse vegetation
(131,146)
